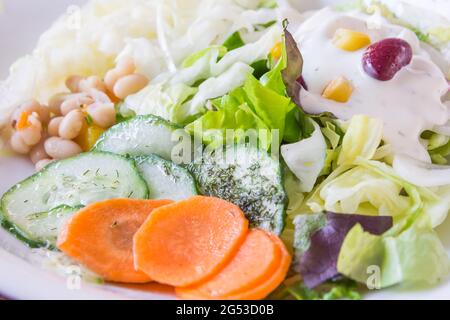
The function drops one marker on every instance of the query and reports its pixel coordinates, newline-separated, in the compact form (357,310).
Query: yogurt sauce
(408,104)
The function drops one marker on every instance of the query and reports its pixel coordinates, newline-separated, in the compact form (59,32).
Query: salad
(237,149)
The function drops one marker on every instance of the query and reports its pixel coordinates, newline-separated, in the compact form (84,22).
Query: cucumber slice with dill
(166,180)
(248,177)
(145,135)
(45,226)
(28,208)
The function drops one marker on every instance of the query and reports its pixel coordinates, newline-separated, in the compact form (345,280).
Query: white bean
(34,106)
(59,148)
(111,78)
(103,114)
(32,134)
(44,114)
(75,101)
(125,66)
(70,105)
(55,102)
(130,84)
(98,96)
(73,83)
(42,164)
(71,125)
(38,152)
(53,126)
(92,82)
(18,145)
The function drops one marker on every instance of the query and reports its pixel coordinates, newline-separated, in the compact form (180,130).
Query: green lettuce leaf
(193,58)
(437,202)
(248,107)
(436,141)
(294,193)
(260,68)
(283,78)
(269,4)
(439,148)
(261,104)
(414,257)
(360,190)
(274,79)
(360,185)
(361,140)
(233,114)
(268,104)
(333,290)
(374,188)
(234,41)
(333,135)
(297,125)
(439,208)
(296,128)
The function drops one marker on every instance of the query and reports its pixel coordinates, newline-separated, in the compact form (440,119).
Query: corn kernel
(340,90)
(276,51)
(350,40)
(89,136)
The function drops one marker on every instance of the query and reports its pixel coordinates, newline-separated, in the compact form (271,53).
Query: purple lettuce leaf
(318,241)
(292,74)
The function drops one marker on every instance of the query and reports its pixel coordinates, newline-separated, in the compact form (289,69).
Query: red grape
(382,60)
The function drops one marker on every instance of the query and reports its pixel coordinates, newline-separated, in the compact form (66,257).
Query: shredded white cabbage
(219,78)
(158,34)
(306,158)
(251,52)
(234,77)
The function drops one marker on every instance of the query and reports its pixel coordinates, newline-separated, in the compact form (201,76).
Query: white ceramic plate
(20,277)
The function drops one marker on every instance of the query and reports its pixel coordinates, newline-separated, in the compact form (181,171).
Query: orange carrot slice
(187,242)
(257,259)
(100,237)
(259,291)
(266,288)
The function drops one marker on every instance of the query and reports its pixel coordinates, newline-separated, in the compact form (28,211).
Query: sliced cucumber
(247,177)
(46,226)
(19,234)
(144,135)
(74,182)
(166,180)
